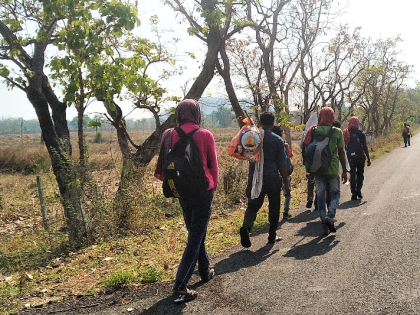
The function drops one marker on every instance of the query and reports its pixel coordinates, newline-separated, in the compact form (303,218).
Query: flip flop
(185,296)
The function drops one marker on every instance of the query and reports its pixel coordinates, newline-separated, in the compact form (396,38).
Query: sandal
(185,296)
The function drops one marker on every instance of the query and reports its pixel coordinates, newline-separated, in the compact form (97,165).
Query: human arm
(366,153)
(281,165)
(342,157)
(212,162)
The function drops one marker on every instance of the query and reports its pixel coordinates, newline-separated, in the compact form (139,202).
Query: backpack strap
(182,133)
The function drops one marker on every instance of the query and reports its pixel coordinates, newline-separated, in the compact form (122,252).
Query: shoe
(359,195)
(185,296)
(353,197)
(209,277)
(325,230)
(245,241)
(286,216)
(330,225)
(309,203)
(274,240)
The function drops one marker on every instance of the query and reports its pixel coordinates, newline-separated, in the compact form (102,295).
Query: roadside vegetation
(38,265)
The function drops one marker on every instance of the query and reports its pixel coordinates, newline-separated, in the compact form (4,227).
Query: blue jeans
(196,213)
(321,194)
(287,199)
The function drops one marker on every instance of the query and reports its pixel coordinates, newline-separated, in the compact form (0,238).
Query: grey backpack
(317,157)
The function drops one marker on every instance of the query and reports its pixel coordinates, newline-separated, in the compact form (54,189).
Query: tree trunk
(57,140)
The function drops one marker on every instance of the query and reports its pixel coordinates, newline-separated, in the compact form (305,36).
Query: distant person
(336,145)
(405,134)
(357,153)
(196,210)
(263,179)
(409,134)
(286,215)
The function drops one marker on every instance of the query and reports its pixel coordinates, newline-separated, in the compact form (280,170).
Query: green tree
(26,30)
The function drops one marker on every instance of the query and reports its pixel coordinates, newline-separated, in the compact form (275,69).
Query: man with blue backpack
(357,154)
(324,151)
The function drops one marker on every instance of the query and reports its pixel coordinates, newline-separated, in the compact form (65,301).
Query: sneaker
(353,197)
(359,195)
(325,230)
(209,277)
(286,216)
(330,225)
(245,241)
(309,203)
(274,239)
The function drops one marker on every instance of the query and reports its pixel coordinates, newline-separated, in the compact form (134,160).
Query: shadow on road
(316,247)
(244,259)
(351,204)
(165,306)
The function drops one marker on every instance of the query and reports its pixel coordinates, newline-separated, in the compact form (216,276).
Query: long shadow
(234,262)
(165,306)
(244,259)
(318,246)
(351,204)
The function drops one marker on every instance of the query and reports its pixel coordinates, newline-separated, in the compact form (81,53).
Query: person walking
(405,134)
(357,154)
(409,134)
(286,215)
(336,146)
(263,179)
(196,210)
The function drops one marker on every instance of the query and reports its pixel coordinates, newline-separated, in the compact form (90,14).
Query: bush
(98,137)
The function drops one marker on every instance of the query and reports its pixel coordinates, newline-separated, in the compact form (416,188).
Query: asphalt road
(370,266)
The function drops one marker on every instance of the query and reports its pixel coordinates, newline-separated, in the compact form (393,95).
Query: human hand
(344,177)
(287,191)
(368,163)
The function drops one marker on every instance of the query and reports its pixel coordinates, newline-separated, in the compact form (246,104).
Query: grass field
(38,265)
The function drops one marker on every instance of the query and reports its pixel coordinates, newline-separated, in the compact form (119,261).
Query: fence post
(42,202)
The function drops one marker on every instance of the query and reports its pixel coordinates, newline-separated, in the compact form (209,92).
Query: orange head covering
(353,124)
(326,118)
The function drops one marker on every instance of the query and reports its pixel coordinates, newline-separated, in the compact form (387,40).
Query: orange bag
(246,144)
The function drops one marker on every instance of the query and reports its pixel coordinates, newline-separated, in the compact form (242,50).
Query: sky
(378,19)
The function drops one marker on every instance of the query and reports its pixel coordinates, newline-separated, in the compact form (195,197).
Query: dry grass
(37,265)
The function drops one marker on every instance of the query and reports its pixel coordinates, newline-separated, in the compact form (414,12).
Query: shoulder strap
(182,133)
(329,134)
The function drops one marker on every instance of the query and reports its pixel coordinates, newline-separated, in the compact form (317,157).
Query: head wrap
(326,117)
(188,111)
(353,124)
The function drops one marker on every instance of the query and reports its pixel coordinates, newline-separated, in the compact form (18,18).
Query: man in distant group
(263,179)
(331,177)
(357,154)
(406,134)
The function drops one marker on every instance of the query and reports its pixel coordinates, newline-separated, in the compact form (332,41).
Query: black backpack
(354,147)
(317,156)
(183,172)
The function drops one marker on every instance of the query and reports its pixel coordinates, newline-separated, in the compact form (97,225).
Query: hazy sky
(378,19)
